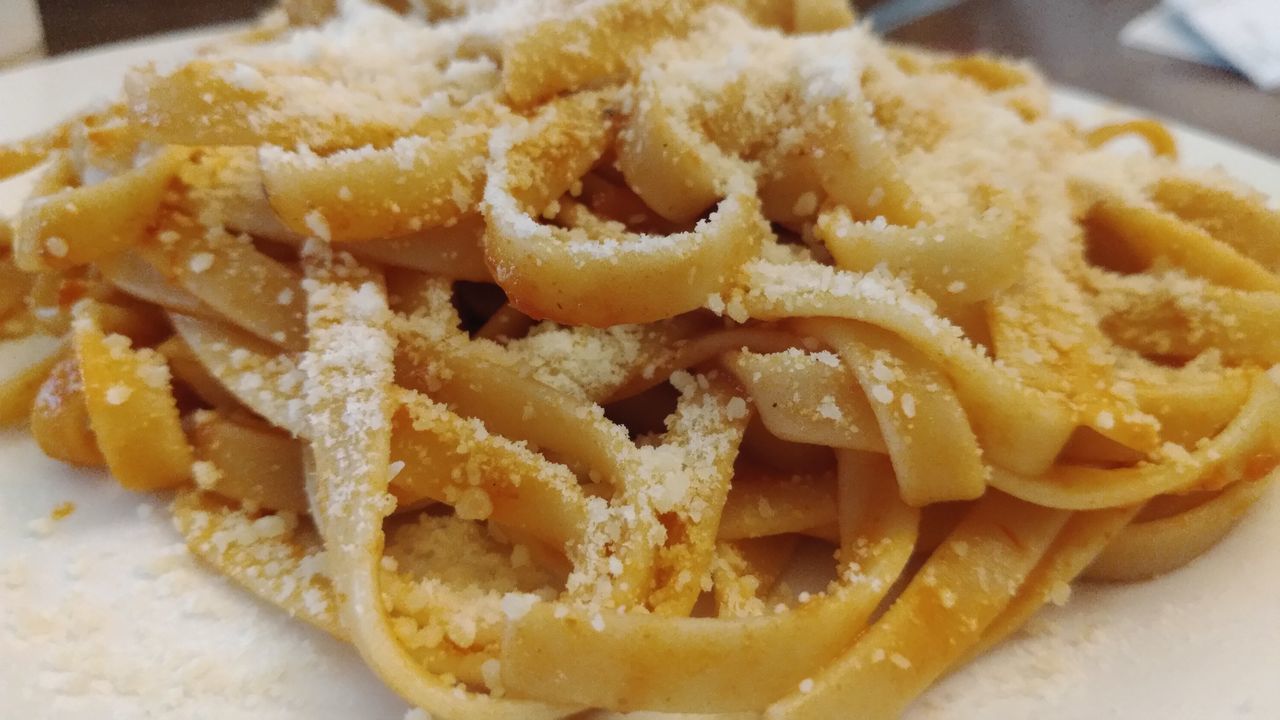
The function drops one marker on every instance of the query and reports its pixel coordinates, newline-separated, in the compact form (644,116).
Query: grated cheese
(118,394)
(318,225)
(56,246)
(200,262)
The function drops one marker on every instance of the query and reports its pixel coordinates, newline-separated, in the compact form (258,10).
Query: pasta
(701,357)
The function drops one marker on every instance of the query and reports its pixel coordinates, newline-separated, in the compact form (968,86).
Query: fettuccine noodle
(549,352)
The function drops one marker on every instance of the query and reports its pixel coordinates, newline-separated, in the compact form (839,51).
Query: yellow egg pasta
(704,357)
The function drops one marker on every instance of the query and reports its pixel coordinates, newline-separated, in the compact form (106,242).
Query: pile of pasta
(693,356)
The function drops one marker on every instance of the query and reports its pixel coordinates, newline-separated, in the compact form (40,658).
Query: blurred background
(1076,42)
(76,24)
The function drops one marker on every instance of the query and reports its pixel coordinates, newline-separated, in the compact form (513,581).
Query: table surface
(1074,41)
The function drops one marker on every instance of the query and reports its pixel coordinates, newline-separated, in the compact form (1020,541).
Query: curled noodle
(693,357)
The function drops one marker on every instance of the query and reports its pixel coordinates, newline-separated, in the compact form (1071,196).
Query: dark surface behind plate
(1076,42)
(71,25)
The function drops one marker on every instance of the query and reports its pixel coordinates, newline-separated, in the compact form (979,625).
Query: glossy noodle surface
(706,357)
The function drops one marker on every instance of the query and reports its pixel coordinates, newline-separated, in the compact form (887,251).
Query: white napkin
(20,32)
(1242,34)
(1245,32)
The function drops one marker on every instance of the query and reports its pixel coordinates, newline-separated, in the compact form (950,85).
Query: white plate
(106,617)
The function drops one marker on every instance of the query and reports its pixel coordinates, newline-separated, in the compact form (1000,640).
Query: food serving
(690,357)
